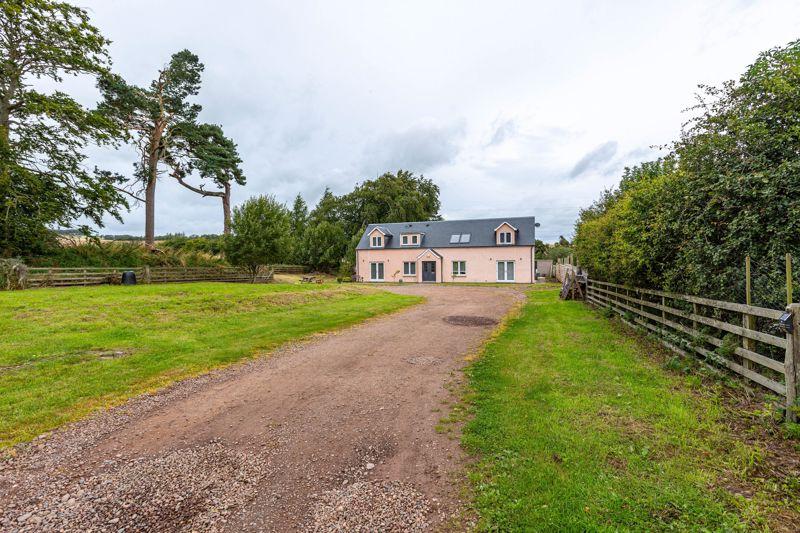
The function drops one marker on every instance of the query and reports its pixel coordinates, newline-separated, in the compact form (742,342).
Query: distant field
(66,352)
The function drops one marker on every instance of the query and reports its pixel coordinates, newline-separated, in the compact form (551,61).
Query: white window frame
(457,270)
(409,271)
(382,269)
(506,238)
(376,242)
(505,271)
(410,239)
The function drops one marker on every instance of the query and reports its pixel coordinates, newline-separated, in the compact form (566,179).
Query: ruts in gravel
(332,434)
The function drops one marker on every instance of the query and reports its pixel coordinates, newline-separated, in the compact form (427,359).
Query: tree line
(44,179)
(45,182)
(729,188)
(265,231)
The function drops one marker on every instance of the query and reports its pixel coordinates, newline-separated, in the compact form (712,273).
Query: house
(487,250)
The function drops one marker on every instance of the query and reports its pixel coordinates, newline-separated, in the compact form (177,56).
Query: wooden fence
(744,338)
(69,277)
(289,269)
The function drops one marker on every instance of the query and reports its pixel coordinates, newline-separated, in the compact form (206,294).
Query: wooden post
(748,321)
(790,363)
(789,295)
(146,274)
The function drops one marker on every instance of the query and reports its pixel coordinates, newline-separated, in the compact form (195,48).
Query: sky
(512,107)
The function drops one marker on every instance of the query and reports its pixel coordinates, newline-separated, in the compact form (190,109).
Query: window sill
(459,275)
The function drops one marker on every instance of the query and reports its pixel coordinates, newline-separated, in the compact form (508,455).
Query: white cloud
(496,101)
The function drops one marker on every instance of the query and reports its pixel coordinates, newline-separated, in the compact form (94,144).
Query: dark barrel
(129,277)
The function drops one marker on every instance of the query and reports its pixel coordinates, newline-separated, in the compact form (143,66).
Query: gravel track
(333,434)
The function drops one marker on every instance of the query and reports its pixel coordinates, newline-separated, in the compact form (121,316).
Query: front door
(429,271)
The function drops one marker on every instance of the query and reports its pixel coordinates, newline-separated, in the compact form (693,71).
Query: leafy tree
(43,181)
(298,223)
(260,234)
(205,149)
(399,197)
(336,223)
(326,243)
(325,238)
(153,116)
(729,189)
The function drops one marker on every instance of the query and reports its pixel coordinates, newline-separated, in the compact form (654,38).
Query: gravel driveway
(334,434)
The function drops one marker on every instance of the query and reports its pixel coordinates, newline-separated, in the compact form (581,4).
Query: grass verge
(66,352)
(577,428)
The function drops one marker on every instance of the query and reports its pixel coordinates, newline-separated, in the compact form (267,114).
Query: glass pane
(373,268)
(455,238)
(501,271)
(510,271)
(380,270)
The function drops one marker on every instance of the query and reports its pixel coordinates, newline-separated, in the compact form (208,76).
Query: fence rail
(70,277)
(686,324)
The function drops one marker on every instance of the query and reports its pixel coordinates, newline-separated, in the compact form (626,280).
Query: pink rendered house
(488,250)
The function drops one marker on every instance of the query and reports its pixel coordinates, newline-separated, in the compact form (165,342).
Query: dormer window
(505,234)
(377,241)
(410,239)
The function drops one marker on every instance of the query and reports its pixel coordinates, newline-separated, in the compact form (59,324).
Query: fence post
(790,363)
(748,321)
(146,274)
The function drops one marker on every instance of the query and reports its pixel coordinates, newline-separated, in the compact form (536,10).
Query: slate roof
(437,233)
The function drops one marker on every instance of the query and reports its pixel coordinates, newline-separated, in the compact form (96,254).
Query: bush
(729,189)
(260,234)
(96,253)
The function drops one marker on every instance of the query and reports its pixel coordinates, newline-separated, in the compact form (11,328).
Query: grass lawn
(577,428)
(66,352)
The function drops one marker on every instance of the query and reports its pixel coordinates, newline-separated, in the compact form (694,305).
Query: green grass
(66,352)
(577,428)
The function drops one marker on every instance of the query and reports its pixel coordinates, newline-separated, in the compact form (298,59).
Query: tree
(326,244)
(260,233)
(43,181)
(729,189)
(152,115)
(298,223)
(325,238)
(399,197)
(204,148)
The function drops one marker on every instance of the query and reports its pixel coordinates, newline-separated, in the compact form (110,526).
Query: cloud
(502,122)
(594,159)
(503,131)
(419,149)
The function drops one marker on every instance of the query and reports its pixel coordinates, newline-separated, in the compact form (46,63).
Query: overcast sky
(512,108)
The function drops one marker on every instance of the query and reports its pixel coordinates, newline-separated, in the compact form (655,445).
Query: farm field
(67,352)
(580,426)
